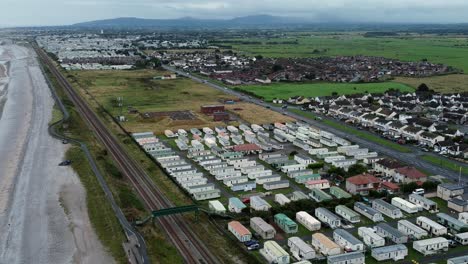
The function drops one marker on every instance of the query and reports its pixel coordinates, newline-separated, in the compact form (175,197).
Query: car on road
(64,141)
(253,247)
(284,106)
(267,107)
(65,163)
(250,242)
(425,149)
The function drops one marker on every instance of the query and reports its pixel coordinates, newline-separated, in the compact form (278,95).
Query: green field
(445,164)
(286,90)
(450,50)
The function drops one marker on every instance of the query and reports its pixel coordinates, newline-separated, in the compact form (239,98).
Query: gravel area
(43,214)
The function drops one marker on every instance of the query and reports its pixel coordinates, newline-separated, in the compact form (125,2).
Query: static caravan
(206,195)
(462,238)
(281,199)
(293,167)
(259,204)
(275,185)
(405,205)
(225,175)
(274,253)
(209,161)
(343,149)
(412,230)
(239,231)
(247,170)
(306,178)
(339,193)
(244,187)
(318,151)
(298,195)
(347,214)
(319,195)
(270,178)
(308,221)
(229,182)
(424,202)
(285,223)
(168,163)
(216,206)
(201,188)
(236,205)
(222,170)
(370,238)
(463,217)
(232,129)
(330,159)
(318,184)
(344,163)
(327,217)
(258,174)
(458,260)
(303,159)
(182,132)
(431,226)
(192,182)
(294,174)
(368,212)
(174,168)
(347,258)
(347,241)
(170,134)
(391,233)
(451,222)
(266,155)
(265,230)
(393,252)
(325,245)
(431,246)
(211,166)
(387,209)
(300,249)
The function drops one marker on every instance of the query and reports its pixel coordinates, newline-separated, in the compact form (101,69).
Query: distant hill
(189,22)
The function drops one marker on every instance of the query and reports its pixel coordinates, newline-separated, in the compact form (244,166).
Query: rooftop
(388,249)
(242,230)
(411,172)
(362,179)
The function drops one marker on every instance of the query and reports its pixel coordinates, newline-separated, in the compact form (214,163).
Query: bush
(314,166)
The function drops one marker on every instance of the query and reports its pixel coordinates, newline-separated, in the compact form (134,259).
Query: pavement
(412,158)
(43,213)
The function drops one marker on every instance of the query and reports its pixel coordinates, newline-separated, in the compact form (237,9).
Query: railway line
(187,243)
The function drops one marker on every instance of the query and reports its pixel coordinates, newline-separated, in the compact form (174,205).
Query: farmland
(139,92)
(286,90)
(443,84)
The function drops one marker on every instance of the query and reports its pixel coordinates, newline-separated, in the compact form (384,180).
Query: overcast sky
(64,12)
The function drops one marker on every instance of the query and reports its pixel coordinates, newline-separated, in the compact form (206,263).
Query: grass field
(139,91)
(443,84)
(286,90)
(361,134)
(445,164)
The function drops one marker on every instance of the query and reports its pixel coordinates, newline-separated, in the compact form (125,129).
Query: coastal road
(410,158)
(34,190)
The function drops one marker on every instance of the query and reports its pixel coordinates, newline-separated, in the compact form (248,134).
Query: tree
(336,170)
(408,187)
(356,169)
(334,94)
(317,165)
(292,153)
(423,88)
(277,67)
(430,185)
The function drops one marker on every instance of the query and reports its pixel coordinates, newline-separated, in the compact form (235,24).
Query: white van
(419,191)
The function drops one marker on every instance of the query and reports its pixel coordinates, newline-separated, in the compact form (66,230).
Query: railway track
(187,243)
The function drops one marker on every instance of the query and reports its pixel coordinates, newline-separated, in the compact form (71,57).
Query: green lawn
(286,90)
(361,134)
(445,164)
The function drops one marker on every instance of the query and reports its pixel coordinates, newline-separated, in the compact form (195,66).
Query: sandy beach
(43,213)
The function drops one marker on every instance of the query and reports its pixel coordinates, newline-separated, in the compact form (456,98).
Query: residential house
(409,174)
(387,166)
(362,184)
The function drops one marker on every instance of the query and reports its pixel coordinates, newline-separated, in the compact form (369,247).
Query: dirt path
(34,226)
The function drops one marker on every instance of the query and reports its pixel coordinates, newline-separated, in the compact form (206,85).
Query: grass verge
(444,163)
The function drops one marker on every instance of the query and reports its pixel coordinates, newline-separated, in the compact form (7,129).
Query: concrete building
(347,214)
(370,238)
(239,231)
(405,205)
(327,217)
(308,221)
(347,258)
(274,253)
(347,241)
(431,245)
(393,252)
(368,212)
(300,250)
(236,205)
(458,204)
(325,245)
(431,226)
(285,223)
(391,233)
(448,191)
(387,209)
(412,230)
(265,230)
(259,204)
(424,202)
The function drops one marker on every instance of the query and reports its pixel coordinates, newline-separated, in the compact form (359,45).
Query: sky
(65,12)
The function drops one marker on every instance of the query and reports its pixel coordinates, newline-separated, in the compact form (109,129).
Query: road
(34,191)
(409,158)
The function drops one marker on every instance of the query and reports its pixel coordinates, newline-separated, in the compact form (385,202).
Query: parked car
(250,242)
(65,163)
(419,191)
(253,247)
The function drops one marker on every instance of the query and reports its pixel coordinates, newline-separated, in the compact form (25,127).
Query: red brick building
(211,109)
(221,116)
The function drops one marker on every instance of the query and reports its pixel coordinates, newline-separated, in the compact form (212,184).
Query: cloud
(60,12)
